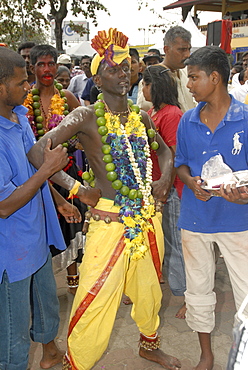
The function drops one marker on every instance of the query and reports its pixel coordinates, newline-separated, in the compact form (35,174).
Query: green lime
(62,93)
(124,190)
(39,126)
(37,112)
(107,158)
(112,176)
(86,176)
(35,91)
(66,106)
(91,172)
(102,130)
(151,133)
(100,112)
(99,105)
(41,132)
(132,194)
(100,96)
(101,121)
(130,102)
(110,166)
(36,105)
(135,108)
(36,98)
(154,145)
(65,145)
(65,112)
(65,98)
(92,183)
(59,86)
(39,119)
(139,194)
(104,138)
(106,149)
(117,184)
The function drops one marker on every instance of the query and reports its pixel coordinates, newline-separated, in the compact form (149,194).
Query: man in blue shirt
(28,225)
(205,220)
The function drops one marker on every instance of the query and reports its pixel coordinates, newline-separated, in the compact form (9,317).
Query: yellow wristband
(74,189)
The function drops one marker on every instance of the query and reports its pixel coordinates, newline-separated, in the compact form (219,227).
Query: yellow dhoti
(105,274)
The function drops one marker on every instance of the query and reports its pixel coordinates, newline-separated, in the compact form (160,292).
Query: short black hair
(26,45)
(244,54)
(209,59)
(134,53)
(85,57)
(42,50)
(164,86)
(241,75)
(238,66)
(9,60)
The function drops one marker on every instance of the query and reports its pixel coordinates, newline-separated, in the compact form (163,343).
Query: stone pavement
(176,338)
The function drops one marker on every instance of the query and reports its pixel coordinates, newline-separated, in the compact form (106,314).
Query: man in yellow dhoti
(124,247)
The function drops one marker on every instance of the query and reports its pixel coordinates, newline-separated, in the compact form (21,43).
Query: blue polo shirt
(195,145)
(25,235)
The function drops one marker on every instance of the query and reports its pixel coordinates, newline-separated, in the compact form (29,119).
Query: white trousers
(199,256)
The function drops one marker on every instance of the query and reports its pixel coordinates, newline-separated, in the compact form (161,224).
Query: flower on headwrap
(111,47)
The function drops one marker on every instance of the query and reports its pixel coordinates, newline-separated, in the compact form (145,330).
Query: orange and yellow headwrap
(111,47)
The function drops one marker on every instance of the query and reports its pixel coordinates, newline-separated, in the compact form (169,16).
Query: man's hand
(70,213)
(55,159)
(194,183)
(160,190)
(233,194)
(88,195)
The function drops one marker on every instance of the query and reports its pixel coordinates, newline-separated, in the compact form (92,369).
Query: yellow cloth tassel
(74,190)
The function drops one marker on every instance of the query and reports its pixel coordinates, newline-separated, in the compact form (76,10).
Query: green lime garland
(88,176)
(38,118)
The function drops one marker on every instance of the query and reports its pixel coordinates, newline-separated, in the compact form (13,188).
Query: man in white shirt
(240,92)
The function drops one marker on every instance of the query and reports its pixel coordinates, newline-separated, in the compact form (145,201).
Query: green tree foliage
(22,20)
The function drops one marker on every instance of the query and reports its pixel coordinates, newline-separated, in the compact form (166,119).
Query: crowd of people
(142,130)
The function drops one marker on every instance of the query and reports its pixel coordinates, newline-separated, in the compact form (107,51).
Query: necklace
(40,121)
(126,154)
(202,109)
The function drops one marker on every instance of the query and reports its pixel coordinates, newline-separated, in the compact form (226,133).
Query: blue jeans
(35,299)
(173,258)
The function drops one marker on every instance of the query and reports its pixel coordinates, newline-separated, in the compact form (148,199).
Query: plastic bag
(215,172)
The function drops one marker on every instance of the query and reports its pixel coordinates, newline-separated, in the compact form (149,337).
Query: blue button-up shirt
(25,235)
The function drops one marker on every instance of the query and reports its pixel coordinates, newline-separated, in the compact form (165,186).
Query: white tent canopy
(198,39)
(84,48)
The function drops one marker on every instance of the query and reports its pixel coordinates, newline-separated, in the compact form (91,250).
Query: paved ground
(177,339)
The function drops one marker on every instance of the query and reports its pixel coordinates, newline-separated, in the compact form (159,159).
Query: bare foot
(181,312)
(127,300)
(51,355)
(156,355)
(72,290)
(205,363)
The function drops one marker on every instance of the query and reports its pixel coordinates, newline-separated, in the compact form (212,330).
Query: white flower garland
(144,187)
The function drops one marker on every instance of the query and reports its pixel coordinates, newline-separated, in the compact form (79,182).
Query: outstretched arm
(69,127)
